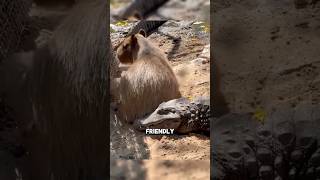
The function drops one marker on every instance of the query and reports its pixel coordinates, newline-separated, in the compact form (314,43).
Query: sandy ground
(170,156)
(160,169)
(268,53)
(178,170)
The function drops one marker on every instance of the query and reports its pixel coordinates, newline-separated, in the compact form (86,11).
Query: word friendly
(159,131)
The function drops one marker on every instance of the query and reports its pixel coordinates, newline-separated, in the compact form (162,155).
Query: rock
(200,60)
(266,172)
(206,52)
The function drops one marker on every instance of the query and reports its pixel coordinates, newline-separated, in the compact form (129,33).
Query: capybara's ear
(132,37)
(133,40)
(142,32)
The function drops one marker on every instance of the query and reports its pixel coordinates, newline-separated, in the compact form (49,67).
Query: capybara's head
(129,48)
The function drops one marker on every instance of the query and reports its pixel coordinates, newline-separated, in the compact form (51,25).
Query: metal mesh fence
(13,23)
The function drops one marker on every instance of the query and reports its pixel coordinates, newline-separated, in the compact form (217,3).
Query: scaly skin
(285,146)
(140,8)
(180,114)
(148,26)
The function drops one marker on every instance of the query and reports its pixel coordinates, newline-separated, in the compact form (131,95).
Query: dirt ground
(188,52)
(160,169)
(267,52)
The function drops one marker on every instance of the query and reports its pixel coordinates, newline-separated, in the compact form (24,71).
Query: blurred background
(160,9)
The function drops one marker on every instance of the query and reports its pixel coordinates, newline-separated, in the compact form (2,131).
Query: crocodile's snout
(179,114)
(167,115)
(163,118)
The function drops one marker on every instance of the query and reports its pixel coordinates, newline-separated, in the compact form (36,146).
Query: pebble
(199,61)
(206,52)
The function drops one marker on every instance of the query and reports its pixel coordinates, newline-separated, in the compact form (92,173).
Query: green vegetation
(112,30)
(201,26)
(122,23)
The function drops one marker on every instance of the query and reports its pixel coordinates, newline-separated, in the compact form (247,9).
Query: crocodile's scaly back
(283,146)
(148,26)
(197,117)
(180,114)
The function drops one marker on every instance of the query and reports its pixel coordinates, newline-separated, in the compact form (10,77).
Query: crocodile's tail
(148,26)
(141,9)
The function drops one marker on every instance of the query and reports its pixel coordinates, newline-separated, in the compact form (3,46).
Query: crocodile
(180,114)
(148,26)
(285,145)
(140,9)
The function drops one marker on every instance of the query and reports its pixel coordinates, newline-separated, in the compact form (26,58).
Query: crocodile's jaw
(155,120)
(167,115)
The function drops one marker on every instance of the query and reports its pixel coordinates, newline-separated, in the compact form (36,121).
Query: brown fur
(68,85)
(148,82)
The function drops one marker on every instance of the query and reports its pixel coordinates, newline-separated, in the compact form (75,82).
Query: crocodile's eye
(161,111)
(166,111)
